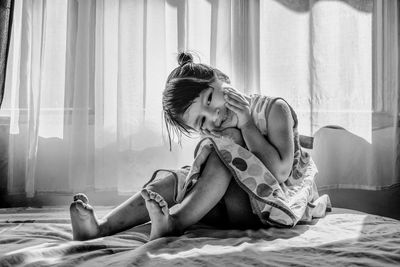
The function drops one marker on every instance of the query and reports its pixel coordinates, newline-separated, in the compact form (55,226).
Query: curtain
(336,62)
(6,11)
(84,83)
(366,157)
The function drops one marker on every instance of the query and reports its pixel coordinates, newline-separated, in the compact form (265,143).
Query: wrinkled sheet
(42,237)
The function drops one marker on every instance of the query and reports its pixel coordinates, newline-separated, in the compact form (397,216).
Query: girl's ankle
(176,226)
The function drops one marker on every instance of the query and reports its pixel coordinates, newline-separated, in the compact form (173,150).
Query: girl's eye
(209,99)
(202,122)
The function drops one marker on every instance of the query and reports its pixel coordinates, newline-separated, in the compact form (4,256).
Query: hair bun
(184,58)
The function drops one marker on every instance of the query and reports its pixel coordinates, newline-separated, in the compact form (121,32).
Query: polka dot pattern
(244,153)
(268,178)
(255,170)
(263,190)
(250,182)
(239,164)
(226,155)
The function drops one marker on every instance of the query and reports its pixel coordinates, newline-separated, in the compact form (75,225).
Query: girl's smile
(208,110)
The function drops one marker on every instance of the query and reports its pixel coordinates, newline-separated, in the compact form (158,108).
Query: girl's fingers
(232,90)
(236,100)
(233,108)
(234,97)
(233,101)
(235,94)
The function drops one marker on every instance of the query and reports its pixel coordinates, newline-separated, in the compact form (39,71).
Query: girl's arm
(277,150)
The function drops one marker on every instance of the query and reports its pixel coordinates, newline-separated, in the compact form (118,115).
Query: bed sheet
(42,237)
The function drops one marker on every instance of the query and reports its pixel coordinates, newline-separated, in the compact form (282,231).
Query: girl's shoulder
(262,105)
(266,101)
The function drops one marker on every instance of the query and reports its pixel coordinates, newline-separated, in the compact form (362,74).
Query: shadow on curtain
(304,6)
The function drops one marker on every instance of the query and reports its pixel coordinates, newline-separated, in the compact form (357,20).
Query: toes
(79,204)
(145,194)
(156,197)
(88,207)
(159,198)
(152,194)
(163,206)
(81,208)
(81,197)
(162,203)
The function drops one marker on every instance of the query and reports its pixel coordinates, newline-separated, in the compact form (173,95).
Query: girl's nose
(216,114)
(216,117)
(212,120)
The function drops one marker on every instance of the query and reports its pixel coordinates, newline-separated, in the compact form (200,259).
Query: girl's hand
(239,105)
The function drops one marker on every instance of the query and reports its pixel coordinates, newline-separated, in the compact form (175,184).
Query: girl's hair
(184,84)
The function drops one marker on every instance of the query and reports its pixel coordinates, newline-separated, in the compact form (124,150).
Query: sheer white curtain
(84,95)
(336,62)
(85,77)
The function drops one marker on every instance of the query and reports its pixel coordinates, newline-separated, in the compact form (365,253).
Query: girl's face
(208,110)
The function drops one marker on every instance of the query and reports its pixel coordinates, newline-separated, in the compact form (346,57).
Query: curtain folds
(6,16)
(84,82)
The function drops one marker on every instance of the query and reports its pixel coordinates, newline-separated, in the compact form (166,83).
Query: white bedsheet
(344,237)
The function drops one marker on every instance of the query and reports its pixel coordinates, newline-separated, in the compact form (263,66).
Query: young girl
(199,98)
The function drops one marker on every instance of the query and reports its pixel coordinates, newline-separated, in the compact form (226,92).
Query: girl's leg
(208,191)
(238,208)
(130,213)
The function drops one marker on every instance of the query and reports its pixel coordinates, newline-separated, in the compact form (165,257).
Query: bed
(42,237)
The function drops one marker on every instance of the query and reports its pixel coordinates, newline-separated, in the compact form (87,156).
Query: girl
(199,98)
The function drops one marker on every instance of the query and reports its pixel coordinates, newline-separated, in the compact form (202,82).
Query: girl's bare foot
(161,221)
(84,222)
